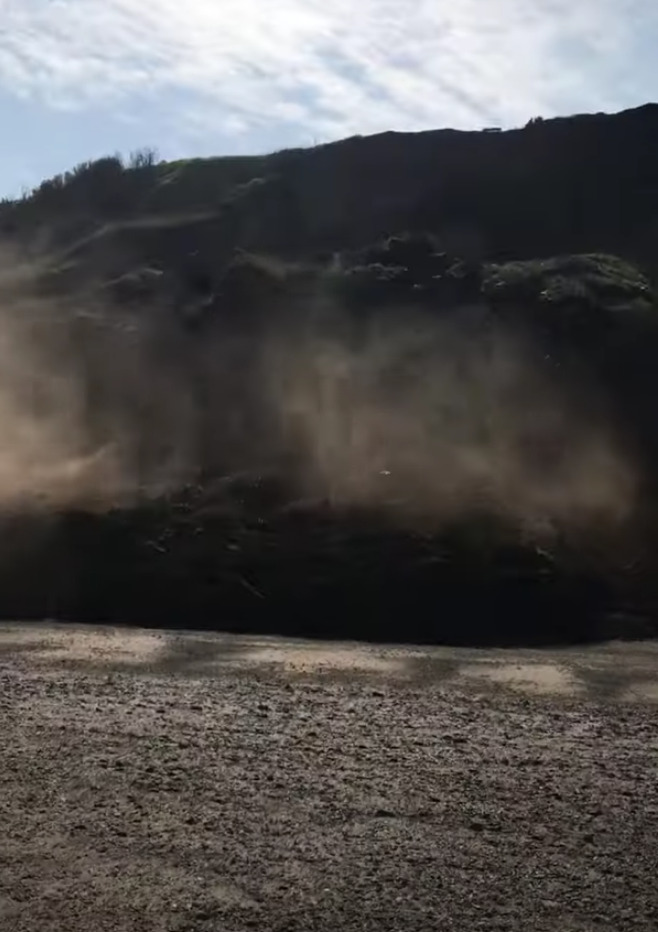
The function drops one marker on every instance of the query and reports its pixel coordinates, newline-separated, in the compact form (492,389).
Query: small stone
(456,739)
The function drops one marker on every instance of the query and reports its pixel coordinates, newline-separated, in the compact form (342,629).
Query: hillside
(570,185)
(400,386)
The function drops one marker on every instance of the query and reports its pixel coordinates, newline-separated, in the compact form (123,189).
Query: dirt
(198,783)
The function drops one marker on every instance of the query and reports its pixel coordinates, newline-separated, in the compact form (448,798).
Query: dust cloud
(89,410)
(434,421)
(427,419)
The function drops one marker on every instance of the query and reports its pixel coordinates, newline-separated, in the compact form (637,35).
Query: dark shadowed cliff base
(197,560)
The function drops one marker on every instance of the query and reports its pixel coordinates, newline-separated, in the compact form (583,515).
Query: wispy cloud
(331,68)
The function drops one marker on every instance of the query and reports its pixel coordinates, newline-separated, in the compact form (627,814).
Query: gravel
(153,781)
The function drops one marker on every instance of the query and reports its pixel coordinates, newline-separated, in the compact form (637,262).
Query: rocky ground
(198,783)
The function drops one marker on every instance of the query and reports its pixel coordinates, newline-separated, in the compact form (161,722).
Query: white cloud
(333,67)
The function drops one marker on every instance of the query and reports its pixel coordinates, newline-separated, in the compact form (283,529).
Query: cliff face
(570,185)
(432,406)
(580,184)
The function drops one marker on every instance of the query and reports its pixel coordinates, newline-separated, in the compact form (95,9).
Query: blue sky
(85,78)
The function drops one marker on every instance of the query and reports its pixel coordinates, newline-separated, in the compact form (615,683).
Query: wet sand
(196,783)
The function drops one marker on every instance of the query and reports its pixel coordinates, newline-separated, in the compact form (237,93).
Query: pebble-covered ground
(199,783)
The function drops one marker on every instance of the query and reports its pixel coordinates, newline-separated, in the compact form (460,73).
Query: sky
(80,79)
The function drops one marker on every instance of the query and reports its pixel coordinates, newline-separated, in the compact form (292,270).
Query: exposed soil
(198,783)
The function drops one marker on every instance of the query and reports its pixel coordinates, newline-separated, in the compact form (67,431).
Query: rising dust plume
(426,419)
